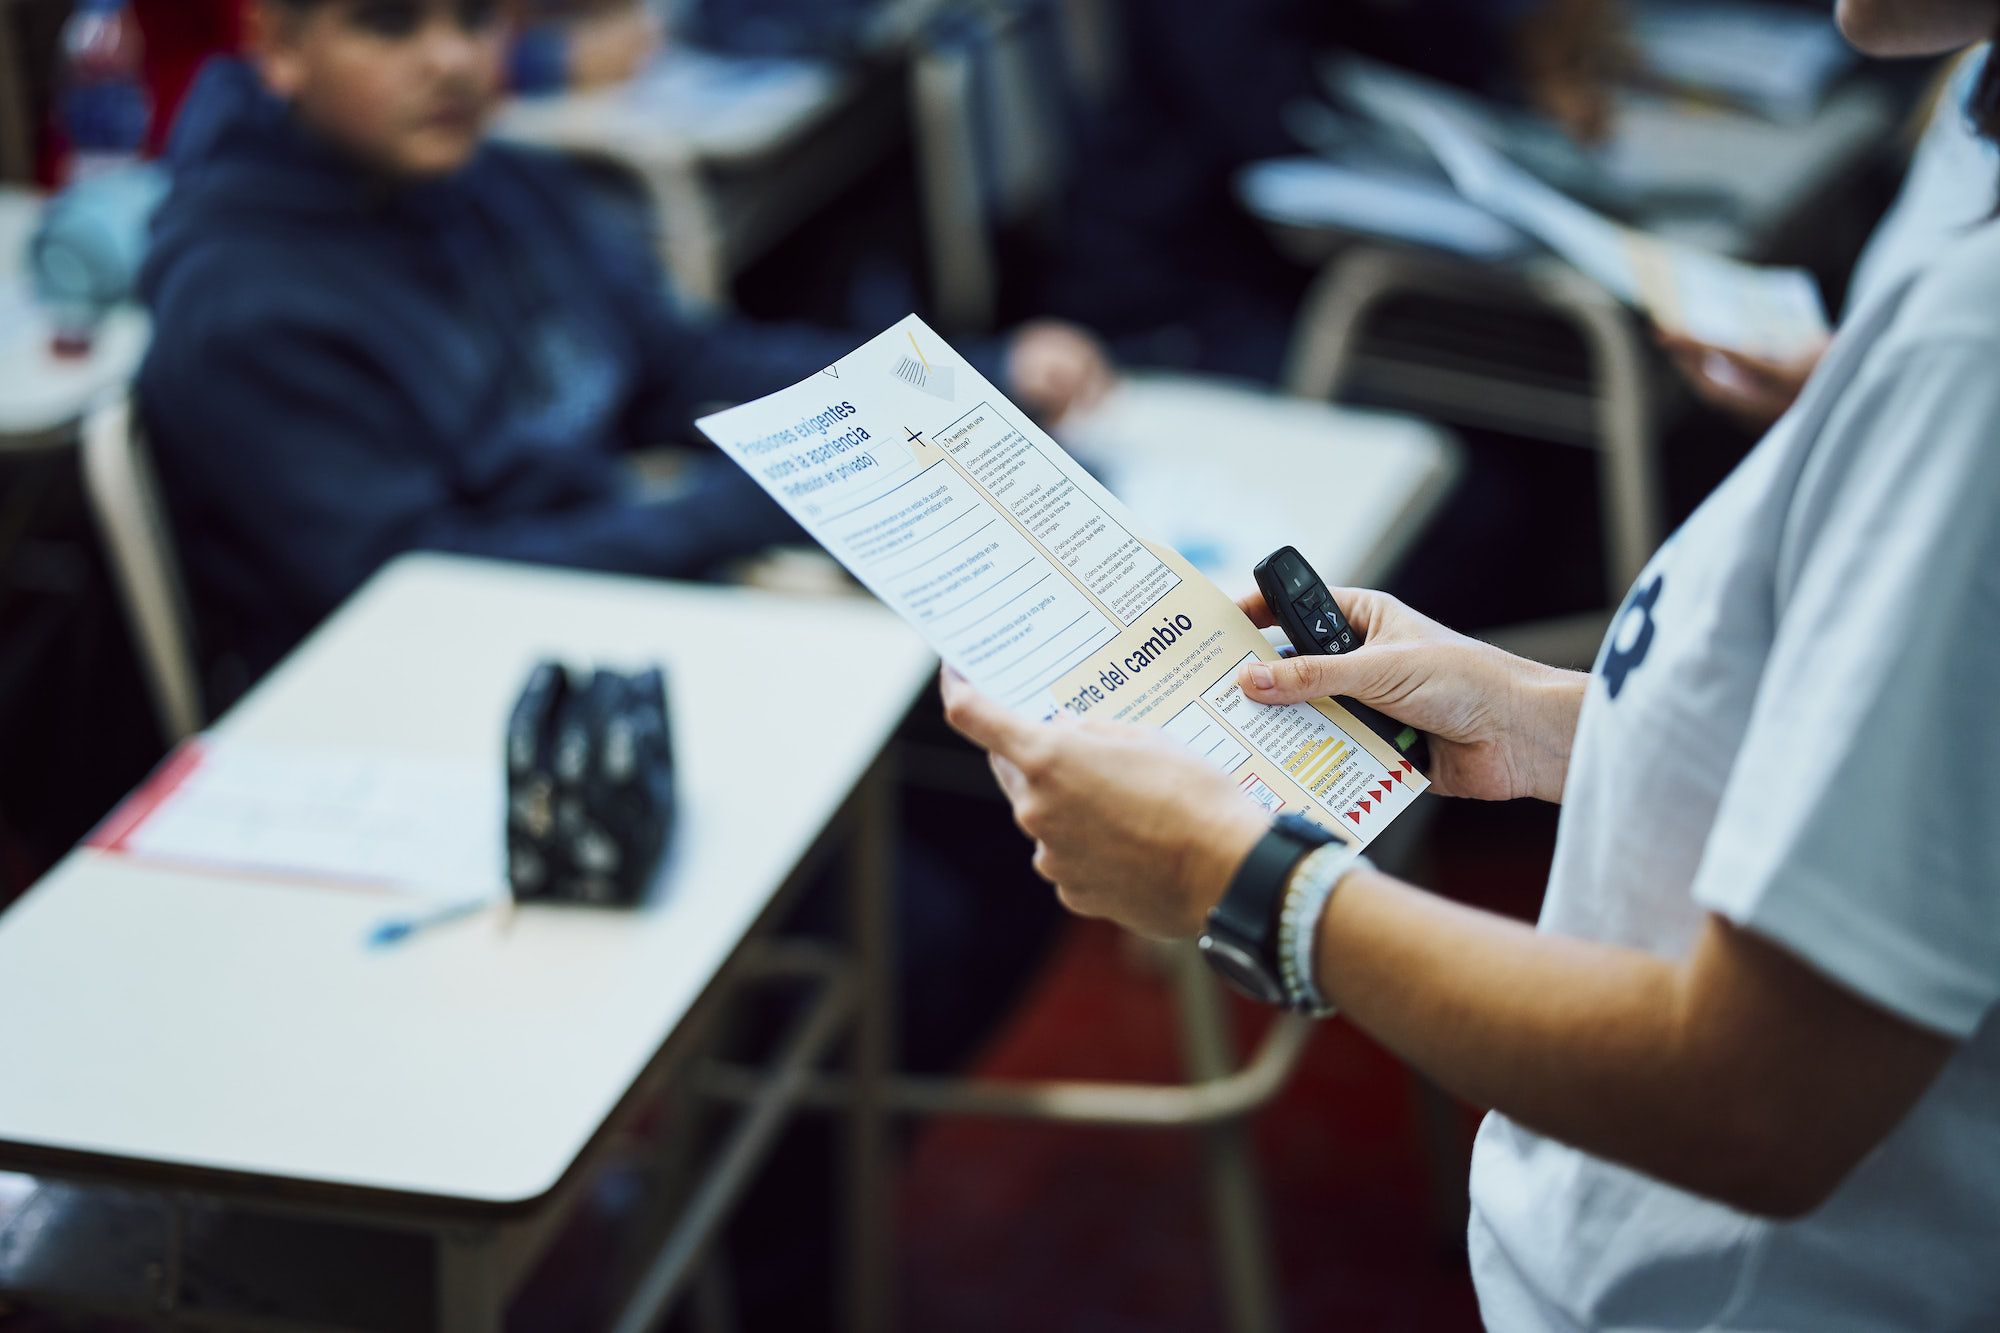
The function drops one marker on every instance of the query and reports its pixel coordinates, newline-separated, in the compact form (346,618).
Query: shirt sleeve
(1857,828)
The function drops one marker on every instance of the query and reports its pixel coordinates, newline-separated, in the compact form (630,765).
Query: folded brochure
(1033,581)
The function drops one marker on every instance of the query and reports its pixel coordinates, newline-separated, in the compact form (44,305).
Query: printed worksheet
(1030,579)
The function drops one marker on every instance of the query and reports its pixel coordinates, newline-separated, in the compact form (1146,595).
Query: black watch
(1241,942)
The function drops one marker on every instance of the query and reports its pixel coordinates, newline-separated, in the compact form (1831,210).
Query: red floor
(1011,1227)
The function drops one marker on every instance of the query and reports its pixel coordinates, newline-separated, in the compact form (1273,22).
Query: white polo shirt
(1952,186)
(1795,722)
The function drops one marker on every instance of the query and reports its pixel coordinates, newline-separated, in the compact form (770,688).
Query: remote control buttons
(1322,619)
(1298,577)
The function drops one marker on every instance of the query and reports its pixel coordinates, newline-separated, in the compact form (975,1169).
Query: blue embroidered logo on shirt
(1632,636)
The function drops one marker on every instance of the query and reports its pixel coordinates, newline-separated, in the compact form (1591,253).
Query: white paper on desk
(428,827)
(1031,580)
(1766,312)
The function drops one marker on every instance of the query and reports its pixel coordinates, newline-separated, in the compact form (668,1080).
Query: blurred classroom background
(1284,286)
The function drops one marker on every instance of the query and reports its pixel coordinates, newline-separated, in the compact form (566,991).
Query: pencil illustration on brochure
(949,504)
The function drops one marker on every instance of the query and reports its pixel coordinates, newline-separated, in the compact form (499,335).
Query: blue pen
(397,929)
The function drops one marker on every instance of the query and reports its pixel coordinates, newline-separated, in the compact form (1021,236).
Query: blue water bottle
(105,107)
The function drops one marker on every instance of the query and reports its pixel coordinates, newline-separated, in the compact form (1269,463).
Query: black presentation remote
(1306,611)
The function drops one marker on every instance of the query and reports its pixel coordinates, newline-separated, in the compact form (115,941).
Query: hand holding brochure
(1032,581)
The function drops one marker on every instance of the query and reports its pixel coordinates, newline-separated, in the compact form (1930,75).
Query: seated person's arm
(316,461)
(582,45)
(1049,366)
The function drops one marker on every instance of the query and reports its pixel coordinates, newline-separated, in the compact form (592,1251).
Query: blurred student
(376,333)
(1155,254)
(1746,1074)
(557,44)
(1949,189)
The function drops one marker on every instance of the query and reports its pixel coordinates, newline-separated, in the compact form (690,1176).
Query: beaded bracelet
(1312,884)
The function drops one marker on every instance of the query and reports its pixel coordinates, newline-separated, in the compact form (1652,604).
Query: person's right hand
(1500,725)
(1055,368)
(613,44)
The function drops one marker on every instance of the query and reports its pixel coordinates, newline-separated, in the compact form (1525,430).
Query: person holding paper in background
(1153,252)
(1949,189)
(1746,1075)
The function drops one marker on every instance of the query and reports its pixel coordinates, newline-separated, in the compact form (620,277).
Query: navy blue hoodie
(344,370)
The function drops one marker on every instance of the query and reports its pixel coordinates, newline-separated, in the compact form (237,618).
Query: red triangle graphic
(1407,768)
(1356,818)
(1363,804)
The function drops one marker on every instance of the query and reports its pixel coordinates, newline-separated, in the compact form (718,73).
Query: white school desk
(226,1038)
(733,152)
(43,396)
(1227,472)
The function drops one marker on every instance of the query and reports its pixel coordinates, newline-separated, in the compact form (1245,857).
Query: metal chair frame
(1614,415)
(124,498)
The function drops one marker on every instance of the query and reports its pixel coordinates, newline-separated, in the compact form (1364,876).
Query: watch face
(1239,967)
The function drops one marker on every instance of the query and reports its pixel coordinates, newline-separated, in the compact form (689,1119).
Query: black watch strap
(1248,911)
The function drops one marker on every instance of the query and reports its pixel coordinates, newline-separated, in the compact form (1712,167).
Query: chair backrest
(124,497)
(993,86)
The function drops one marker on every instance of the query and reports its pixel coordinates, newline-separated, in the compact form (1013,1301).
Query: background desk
(1226,473)
(232,1038)
(733,152)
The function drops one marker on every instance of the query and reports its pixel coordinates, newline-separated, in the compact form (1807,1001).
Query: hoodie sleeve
(689,367)
(310,467)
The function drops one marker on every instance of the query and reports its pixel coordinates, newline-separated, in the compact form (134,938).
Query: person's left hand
(1127,825)
(1755,390)
(1055,368)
